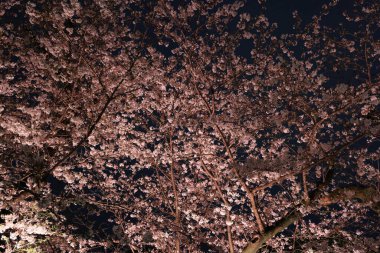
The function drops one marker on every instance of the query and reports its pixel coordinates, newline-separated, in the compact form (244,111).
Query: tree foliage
(188,126)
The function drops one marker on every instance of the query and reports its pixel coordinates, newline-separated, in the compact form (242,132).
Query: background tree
(199,126)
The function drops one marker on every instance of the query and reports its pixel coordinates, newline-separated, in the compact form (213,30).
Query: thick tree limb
(366,195)
(280,226)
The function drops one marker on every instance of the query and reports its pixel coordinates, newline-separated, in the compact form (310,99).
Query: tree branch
(365,194)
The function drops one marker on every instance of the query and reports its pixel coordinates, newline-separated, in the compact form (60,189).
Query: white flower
(91,140)
(229,223)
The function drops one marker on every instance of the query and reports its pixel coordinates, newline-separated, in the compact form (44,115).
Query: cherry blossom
(188,126)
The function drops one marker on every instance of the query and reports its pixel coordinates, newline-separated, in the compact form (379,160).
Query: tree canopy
(189,126)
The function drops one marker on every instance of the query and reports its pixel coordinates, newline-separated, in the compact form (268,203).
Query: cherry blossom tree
(188,126)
